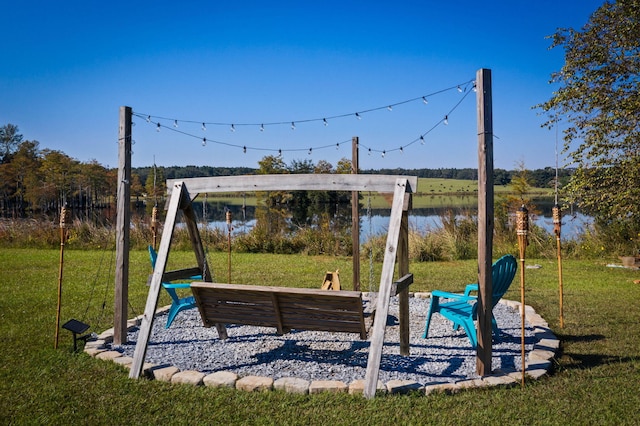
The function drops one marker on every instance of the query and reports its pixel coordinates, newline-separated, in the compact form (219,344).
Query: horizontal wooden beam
(294,182)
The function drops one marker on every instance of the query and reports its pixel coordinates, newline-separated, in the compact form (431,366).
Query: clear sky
(67,67)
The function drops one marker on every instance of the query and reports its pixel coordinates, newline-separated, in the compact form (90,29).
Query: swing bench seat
(283,308)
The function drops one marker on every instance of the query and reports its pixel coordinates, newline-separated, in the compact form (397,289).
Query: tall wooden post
(122,228)
(63,235)
(355,217)
(485,219)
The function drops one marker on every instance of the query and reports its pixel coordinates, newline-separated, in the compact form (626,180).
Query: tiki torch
(63,234)
(557,225)
(229,229)
(154,226)
(522,230)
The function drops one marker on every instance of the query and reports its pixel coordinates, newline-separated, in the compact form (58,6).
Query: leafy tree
(599,98)
(9,141)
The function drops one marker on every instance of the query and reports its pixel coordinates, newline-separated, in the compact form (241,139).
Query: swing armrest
(192,274)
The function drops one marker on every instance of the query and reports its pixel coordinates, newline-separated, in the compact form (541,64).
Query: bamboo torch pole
(63,219)
(229,229)
(154,226)
(557,225)
(522,229)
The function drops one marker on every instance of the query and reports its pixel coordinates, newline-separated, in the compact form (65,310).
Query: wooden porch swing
(289,308)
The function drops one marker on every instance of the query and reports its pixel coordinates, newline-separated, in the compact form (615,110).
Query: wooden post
(355,217)
(485,219)
(386,282)
(403,269)
(522,230)
(122,228)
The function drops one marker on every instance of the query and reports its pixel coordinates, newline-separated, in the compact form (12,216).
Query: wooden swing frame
(396,248)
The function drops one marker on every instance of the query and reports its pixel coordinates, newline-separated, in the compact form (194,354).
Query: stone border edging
(538,364)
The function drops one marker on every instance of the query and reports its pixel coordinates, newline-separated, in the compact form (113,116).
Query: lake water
(573,224)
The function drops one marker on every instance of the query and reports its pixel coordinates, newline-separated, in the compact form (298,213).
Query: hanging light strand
(462,88)
(156,121)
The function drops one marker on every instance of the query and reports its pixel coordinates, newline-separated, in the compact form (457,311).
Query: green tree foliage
(599,98)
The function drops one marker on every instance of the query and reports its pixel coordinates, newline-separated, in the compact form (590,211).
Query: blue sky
(66,68)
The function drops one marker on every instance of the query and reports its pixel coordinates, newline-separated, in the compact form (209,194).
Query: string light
(325,120)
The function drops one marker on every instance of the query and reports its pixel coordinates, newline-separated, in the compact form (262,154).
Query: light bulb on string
(424,100)
(326,123)
(279,153)
(204,126)
(310,151)
(384,153)
(401,150)
(421,140)
(148,118)
(369,151)
(446,120)
(459,89)
(337,146)
(175,123)
(390,108)
(244,149)
(233,128)
(474,88)
(204,141)
(262,127)
(158,127)
(293,125)
(358,116)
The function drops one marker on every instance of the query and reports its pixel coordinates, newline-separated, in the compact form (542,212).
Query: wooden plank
(140,351)
(377,334)
(485,220)
(294,182)
(403,270)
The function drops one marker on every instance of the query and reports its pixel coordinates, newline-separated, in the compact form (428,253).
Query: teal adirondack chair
(462,308)
(177,304)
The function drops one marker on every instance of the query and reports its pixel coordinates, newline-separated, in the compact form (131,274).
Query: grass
(595,381)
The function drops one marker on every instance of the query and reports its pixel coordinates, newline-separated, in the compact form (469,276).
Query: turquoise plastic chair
(177,304)
(462,308)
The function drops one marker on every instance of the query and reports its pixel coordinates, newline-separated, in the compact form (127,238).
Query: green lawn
(595,382)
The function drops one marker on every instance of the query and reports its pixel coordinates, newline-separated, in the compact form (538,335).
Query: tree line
(38,180)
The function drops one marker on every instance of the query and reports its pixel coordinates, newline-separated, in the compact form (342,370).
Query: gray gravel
(446,356)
